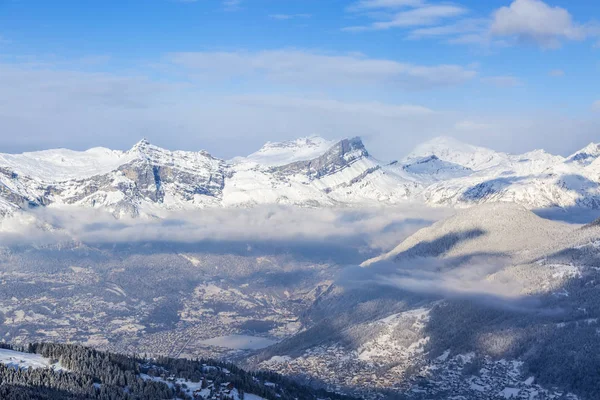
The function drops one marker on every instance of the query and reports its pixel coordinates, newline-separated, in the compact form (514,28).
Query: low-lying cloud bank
(451,279)
(370,229)
(345,236)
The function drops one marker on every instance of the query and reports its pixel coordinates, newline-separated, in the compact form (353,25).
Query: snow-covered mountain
(535,179)
(312,172)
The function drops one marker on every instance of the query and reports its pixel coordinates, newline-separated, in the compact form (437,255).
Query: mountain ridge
(308,172)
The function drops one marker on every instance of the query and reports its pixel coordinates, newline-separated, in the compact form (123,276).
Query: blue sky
(227,75)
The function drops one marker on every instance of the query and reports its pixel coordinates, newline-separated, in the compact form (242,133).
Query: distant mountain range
(307,172)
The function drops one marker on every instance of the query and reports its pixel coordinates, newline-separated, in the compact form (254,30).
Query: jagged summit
(585,156)
(145,150)
(349,148)
(143,143)
(336,158)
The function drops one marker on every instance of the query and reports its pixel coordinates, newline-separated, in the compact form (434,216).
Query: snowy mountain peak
(341,155)
(353,147)
(454,151)
(586,155)
(142,144)
(434,168)
(144,149)
(282,153)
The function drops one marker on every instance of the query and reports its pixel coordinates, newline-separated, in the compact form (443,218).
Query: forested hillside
(64,371)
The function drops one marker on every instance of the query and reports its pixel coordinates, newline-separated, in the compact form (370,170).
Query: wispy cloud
(462,27)
(377,109)
(420,16)
(596,106)
(232,5)
(322,70)
(522,21)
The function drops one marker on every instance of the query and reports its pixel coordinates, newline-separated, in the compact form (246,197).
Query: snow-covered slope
(432,169)
(456,152)
(535,179)
(493,229)
(63,164)
(312,172)
(482,159)
(20,360)
(281,153)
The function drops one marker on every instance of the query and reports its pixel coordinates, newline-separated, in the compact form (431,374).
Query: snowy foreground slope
(310,172)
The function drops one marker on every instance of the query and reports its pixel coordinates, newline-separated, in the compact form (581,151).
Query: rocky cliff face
(338,157)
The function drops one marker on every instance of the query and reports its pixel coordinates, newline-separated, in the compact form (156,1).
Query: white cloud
(462,27)
(596,106)
(374,228)
(523,21)
(503,81)
(536,22)
(321,70)
(466,31)
(421,16)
